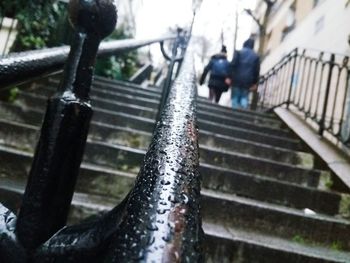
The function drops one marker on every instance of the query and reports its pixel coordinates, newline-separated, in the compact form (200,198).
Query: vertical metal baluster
(304,90)
(284,76)
(315,116)
(269,89)
(308,108)
(289,71)
(332,120)
(298,96)
(274,87)
(299,74)
(325,102)
(345,62)
(264,87)
(345,109)
(292,77)
(63,136)
(277,87)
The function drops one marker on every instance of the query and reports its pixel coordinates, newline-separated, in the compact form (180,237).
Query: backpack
(220,67)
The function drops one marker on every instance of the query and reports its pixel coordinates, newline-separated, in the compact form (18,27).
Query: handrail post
(162,220)
(292,79)
(58,155)
(325,103)
(180,42)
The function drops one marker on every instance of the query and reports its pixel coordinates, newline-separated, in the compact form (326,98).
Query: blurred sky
(155,17)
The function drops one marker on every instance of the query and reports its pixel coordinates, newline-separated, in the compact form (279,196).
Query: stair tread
(256,180)
(273,242)
(149,121)
(99,204)
(96,103)
(229,213)
(262,147)
(209,193)
(274,207)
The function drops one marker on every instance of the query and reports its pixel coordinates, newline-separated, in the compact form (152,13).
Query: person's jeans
(239,98)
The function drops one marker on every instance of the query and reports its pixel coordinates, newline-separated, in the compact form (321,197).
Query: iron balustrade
(314,83)
(160,217)
(19,67)
(175,59)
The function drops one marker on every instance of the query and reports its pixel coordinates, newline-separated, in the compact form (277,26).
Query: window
(290,21)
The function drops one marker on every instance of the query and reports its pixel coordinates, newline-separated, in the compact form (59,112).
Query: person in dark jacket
(245,74)
(219,80)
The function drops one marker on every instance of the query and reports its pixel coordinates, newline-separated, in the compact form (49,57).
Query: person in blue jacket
(219,80)
(245,74)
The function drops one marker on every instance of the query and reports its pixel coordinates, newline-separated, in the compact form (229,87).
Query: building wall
(323,27)
(8,34)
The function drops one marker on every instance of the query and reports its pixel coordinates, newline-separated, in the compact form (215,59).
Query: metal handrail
(177,55)
(315,85)
(159,219)
(163,207)
(23,66)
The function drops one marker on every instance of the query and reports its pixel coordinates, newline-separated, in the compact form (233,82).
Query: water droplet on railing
(184,198)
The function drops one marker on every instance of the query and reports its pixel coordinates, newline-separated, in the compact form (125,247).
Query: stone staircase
(263,198)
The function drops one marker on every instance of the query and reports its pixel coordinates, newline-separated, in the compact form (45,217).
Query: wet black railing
(19,67)
(159,219)
(315,84)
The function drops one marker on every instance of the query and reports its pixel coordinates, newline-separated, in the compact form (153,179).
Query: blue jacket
(245,67)
(216,81)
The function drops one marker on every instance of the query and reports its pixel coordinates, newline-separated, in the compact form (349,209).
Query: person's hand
(253,88)
(228,81)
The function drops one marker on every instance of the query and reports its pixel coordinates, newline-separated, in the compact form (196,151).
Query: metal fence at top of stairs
(315,84)
(159,218)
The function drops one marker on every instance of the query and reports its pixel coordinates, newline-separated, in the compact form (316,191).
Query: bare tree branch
(270,3)
(256,20)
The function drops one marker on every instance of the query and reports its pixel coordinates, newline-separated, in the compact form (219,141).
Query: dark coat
(216,82)
(245,67)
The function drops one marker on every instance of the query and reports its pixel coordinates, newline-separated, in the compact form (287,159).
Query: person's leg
(235,97)
(244,98)
(211,94)
(217,95)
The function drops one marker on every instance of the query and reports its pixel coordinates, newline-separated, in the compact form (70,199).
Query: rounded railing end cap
(97,17)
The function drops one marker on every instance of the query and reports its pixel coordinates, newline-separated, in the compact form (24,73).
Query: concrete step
(12,132)
(27,115)
(129,89)
(231,160)
(203,104)
(232,211)
(35,101)
(218,240)
(105,94)
(116,84)
(251,135)
(18,111)
(227,245)
(263,167)
(217,178)
(38,102)
(98,93)
(223,142)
